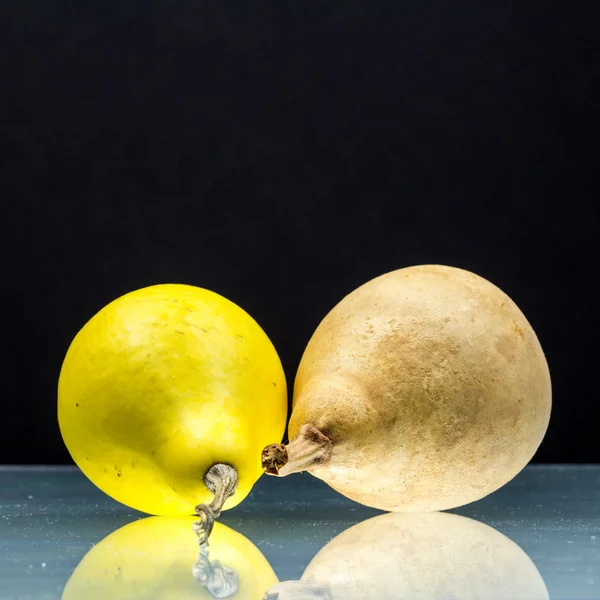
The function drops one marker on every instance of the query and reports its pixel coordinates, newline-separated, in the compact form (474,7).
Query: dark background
(283,153)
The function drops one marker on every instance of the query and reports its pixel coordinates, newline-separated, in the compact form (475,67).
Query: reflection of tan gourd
(159,557)
(431,556)
(424,389)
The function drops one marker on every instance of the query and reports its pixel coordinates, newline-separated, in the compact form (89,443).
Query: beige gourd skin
(424,389)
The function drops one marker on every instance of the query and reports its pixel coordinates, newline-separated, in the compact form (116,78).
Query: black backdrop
(282,153)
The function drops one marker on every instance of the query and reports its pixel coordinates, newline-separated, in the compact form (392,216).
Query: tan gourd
(424,389)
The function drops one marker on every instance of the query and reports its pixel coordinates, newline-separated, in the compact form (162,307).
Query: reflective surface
(538,537)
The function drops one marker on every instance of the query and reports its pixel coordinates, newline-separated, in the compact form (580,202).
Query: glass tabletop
(296,538)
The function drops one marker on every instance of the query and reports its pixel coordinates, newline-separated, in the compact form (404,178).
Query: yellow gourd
(167,395)
(159,557)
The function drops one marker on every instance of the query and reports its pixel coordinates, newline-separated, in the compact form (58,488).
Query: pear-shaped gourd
(424,389)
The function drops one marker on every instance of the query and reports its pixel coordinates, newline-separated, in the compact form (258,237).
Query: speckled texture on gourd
(432,386)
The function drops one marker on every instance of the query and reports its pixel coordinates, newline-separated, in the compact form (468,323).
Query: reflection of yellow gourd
(159,557)
(433,556)
(163,384)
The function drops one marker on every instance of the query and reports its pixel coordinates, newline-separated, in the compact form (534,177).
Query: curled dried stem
(221,480)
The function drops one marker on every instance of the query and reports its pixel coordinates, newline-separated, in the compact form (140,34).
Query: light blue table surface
(51,518)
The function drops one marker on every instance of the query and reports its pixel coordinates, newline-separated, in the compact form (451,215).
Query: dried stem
(308,449)
(221,480)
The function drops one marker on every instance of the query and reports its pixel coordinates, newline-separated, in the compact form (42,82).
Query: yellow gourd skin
(160,385)
(154,558)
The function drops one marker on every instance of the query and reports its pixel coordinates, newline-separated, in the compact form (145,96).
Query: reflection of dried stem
(221,480)
(308,449)
(219,581)
(298,590)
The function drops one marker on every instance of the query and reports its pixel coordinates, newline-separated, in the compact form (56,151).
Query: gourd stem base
(221,480)
(310,448)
